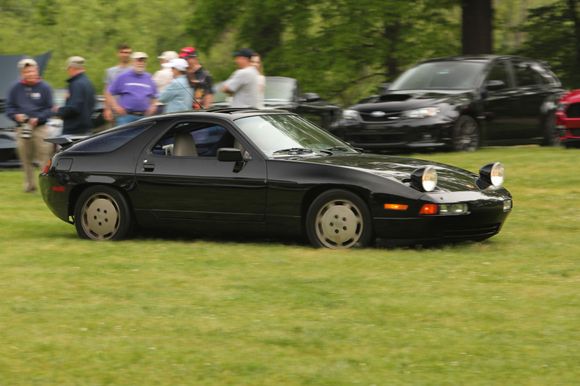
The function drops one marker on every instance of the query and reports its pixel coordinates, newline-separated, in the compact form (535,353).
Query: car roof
(478,58)
(228,113)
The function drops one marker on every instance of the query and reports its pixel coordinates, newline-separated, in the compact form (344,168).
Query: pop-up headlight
(491,175)
(424,179)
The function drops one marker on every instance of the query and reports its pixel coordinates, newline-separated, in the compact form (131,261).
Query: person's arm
(114,89)
(152,99)
(74,103)
(168,93)
(233,83)
(12,109)
(208,95)
(46,112)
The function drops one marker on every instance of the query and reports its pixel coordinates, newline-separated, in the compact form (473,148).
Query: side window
(110,140)
(547,77)
(193,139)
(525,75)
(499,72)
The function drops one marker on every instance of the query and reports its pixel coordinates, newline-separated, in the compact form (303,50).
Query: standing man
(178,95)
(199,78)
(133,94)
(164,76)
(124,54)
(29,104)
(78,108)
(243,84)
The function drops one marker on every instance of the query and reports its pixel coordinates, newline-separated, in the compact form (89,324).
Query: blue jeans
(124,119)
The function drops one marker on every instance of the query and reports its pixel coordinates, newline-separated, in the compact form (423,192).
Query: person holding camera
(29,104)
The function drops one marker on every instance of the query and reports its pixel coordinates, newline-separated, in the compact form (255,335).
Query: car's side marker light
(429,209)
(396,206)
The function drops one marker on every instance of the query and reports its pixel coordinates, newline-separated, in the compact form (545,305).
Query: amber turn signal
(396,206)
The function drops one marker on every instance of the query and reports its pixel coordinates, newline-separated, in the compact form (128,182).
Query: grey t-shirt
(113,72)
(244,84)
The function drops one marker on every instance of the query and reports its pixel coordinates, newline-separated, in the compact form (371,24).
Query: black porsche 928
(235,170)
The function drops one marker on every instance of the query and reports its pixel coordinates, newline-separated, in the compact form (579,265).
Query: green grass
(203,312)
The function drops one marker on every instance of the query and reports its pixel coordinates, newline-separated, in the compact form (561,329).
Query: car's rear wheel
(102,213)
(466,135)
(339,219)
(551,134)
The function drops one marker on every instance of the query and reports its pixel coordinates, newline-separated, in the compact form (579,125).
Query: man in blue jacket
(79,106)
(29,104)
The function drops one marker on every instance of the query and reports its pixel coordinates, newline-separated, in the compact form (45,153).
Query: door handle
(148,167)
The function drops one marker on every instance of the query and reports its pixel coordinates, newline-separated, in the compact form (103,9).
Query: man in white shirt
(243,84)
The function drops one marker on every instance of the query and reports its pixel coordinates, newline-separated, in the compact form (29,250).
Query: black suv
(457,103)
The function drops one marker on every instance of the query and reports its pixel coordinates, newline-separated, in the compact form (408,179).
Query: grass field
(205,312)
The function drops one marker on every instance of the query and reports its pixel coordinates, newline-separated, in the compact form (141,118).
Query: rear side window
(109,140)
(526,75)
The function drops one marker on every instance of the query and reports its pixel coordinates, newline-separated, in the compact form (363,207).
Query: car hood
(450,178)
(414,99)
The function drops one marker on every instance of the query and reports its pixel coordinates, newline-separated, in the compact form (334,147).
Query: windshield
(283,134)
(440,75)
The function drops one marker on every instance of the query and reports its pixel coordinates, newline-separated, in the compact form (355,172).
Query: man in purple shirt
(135,91)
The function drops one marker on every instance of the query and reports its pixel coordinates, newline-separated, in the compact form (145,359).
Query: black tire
(466,134)
(103,213)
(551,134)
(339,219)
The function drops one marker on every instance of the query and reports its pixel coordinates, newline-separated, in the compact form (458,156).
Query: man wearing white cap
(178,96)
(29,104)
(164,76)
(133,94)
(78,108)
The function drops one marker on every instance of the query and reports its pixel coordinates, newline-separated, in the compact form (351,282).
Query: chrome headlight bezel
(424,179)
(423,112)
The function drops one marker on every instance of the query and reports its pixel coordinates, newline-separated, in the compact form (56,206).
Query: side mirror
(310,97)
(229,154)
(495,84)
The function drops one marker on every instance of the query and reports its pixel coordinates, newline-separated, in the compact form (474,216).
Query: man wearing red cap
(199,78)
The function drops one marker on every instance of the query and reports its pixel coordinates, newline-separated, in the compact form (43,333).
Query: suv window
(110,140)
(526,75)
(194,139)
(499,71)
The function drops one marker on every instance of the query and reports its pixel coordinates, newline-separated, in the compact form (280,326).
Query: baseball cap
(26,62)
(188,52)
(168,55)
(75,62)
(139,55)
(246,52)
(179,64)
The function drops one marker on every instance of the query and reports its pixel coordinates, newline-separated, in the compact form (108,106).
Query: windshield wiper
(338,148)
(294,150)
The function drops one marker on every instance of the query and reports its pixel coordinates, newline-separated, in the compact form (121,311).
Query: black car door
(179,178)
(499,102)
(532,93)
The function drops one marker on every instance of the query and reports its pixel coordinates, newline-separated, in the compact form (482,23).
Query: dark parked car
(568,119)
(284,93)
(262,171)
(458,103)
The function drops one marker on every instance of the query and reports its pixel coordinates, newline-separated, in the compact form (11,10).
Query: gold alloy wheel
(100,217)
(339,224)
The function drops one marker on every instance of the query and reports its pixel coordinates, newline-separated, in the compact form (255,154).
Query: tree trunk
(477,28)
(573,11)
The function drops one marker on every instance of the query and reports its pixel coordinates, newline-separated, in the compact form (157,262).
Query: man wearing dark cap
(243,84)
(78,108)
(199,78)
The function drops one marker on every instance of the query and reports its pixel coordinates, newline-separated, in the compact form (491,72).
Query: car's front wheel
(339,219)
(102,213)
(466,136)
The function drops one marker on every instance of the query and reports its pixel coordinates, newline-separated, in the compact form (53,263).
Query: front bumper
(485,219)
(402,134)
